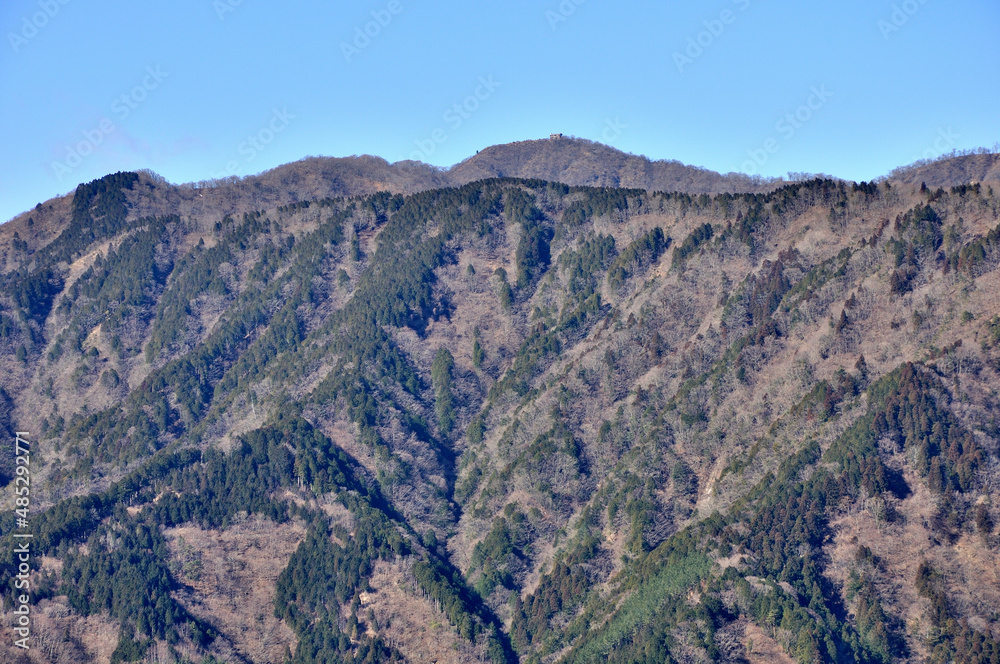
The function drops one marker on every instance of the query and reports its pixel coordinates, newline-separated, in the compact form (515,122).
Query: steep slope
(555,423)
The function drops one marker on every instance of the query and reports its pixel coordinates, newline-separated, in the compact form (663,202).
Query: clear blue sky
(181,87)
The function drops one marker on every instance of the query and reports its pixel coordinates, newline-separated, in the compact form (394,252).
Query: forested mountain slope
(566,160)
(511,420)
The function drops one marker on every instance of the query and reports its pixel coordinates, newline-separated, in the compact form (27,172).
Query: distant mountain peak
(581,162)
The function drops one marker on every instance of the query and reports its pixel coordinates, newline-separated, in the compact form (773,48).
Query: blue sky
(196,89)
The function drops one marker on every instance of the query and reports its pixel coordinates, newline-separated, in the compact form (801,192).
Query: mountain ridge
(511,421)
(571,161)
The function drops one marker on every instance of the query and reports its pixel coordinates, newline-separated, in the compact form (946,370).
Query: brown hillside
(578,162)
(951,171)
